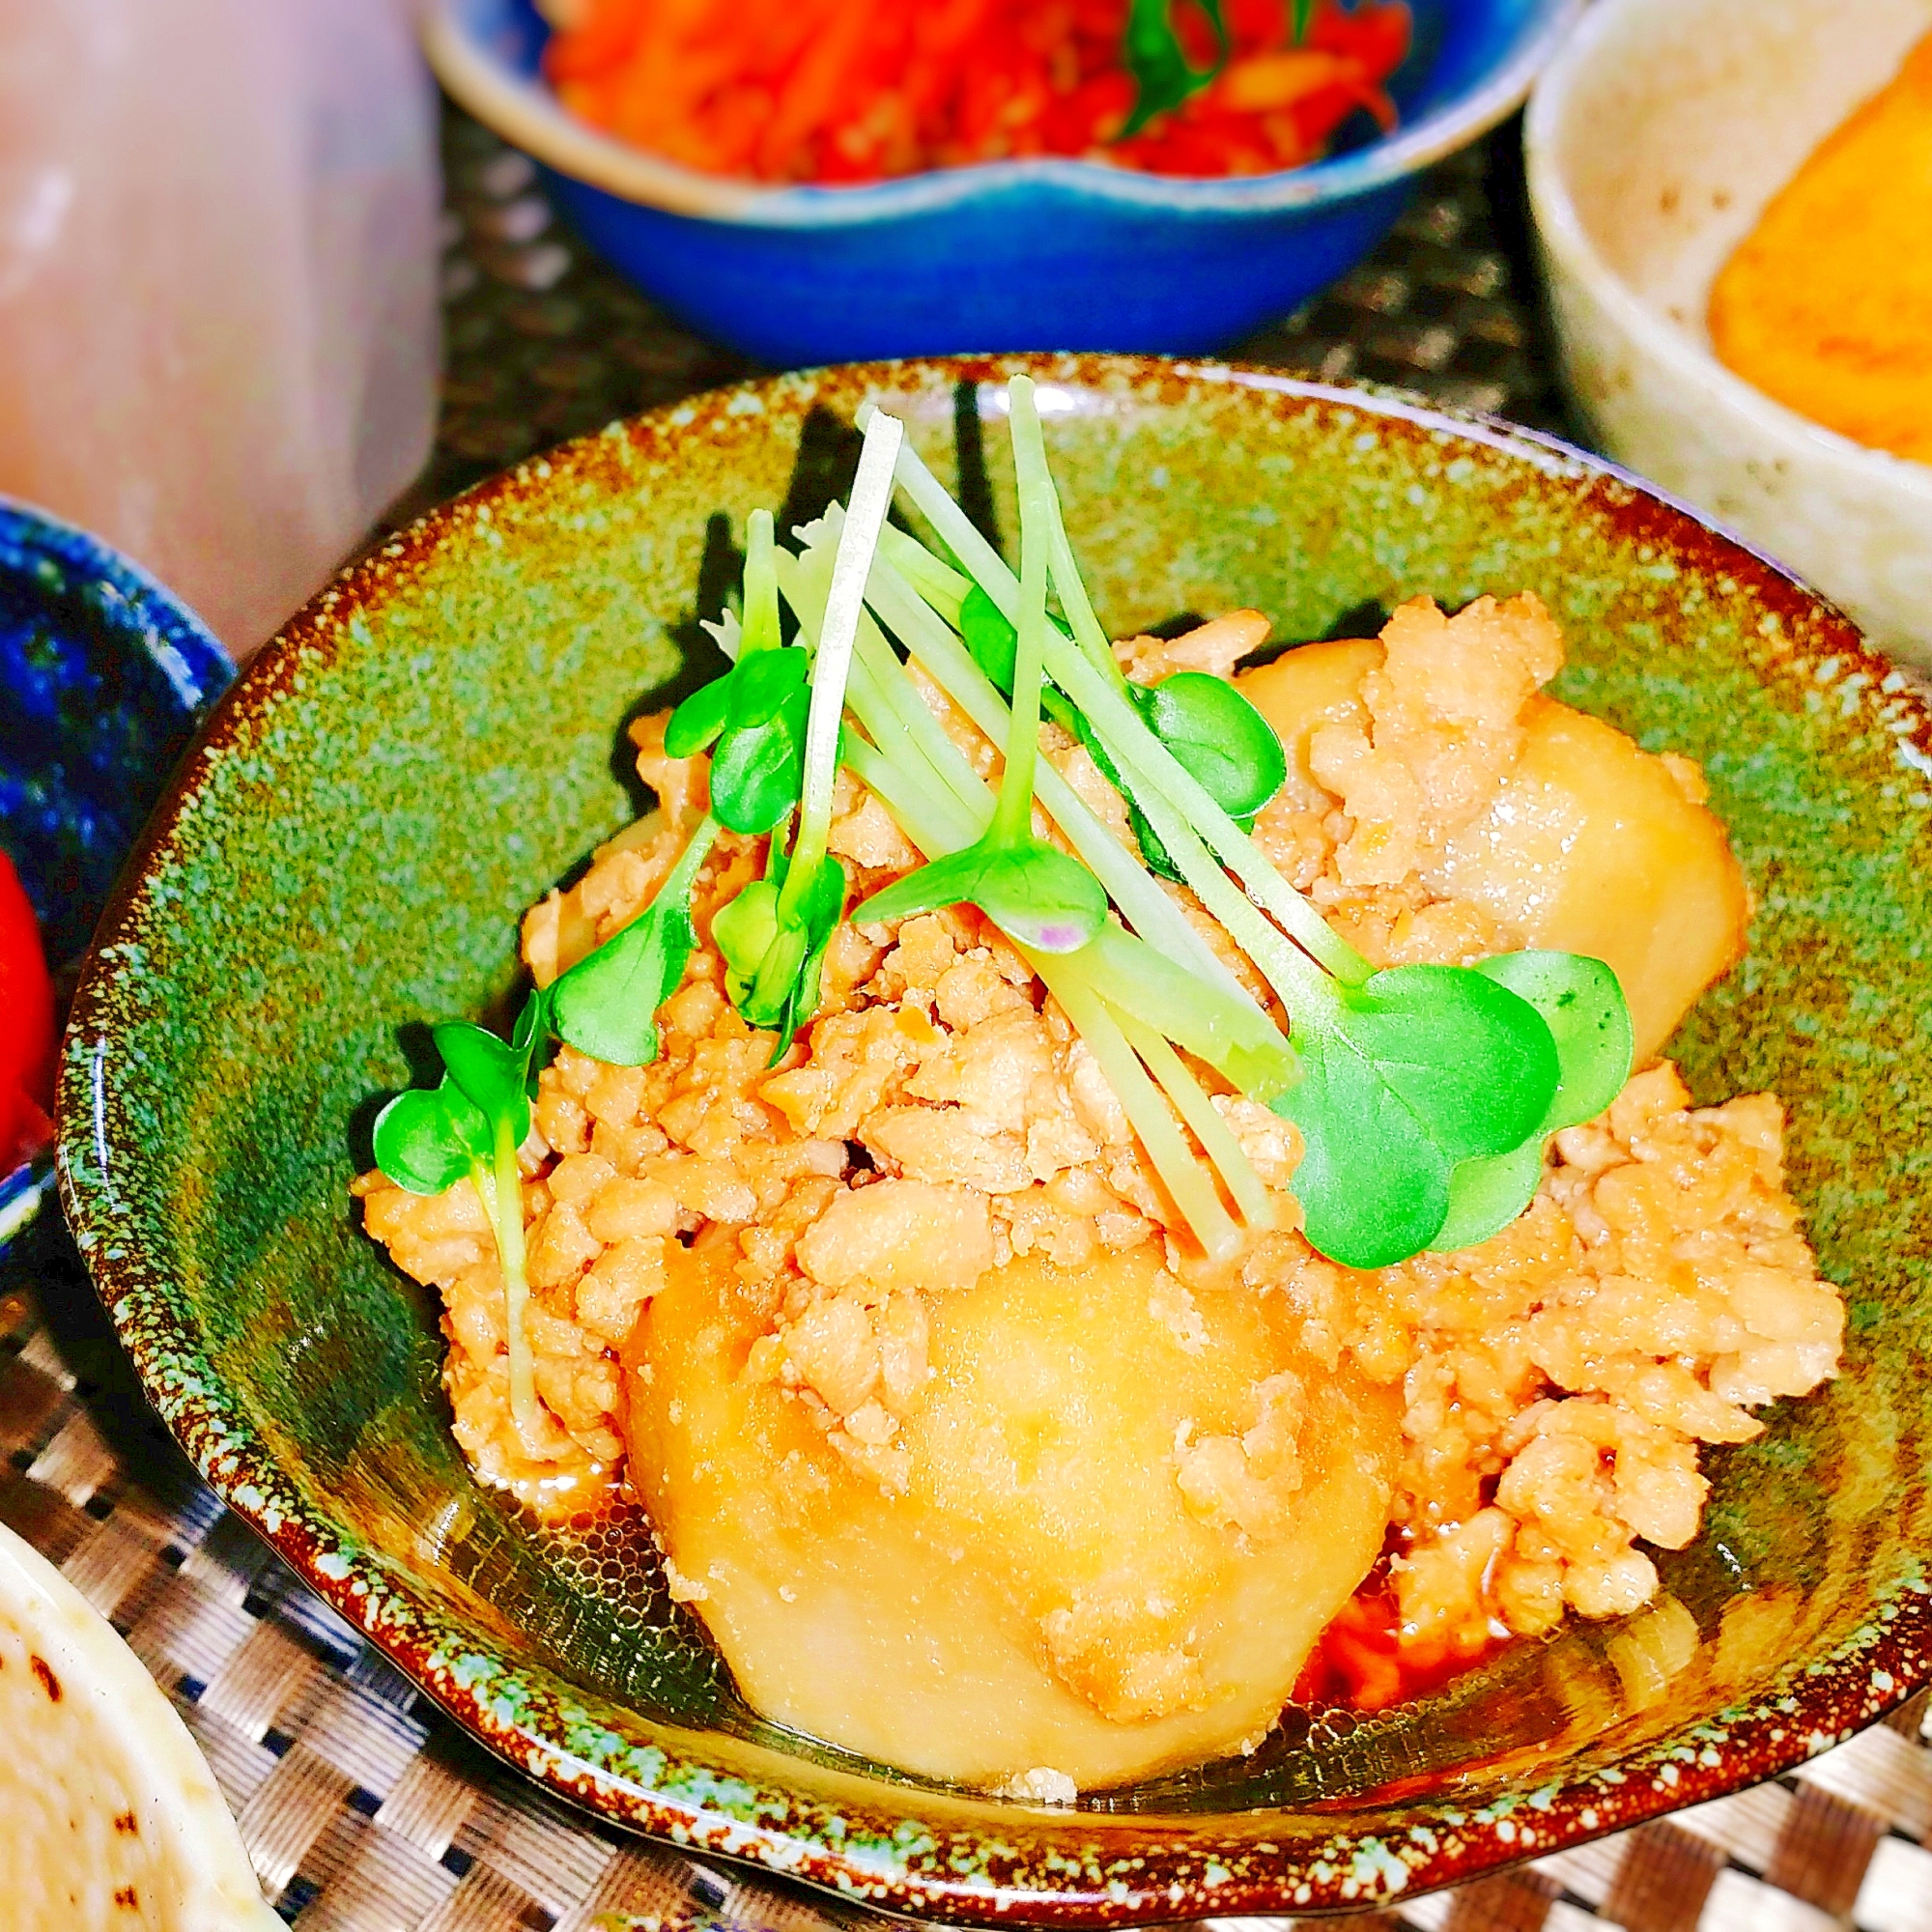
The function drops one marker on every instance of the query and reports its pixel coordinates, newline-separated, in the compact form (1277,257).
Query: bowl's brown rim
(892,1846)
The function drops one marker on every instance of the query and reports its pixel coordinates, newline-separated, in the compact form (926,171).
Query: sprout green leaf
(492,1074)
(699,718)
(746,934)
(820,909)
(1583,1006)
(1418,1070)
(1218,738)
(755,717)
(1484,1196)
(1475,1060)
(756,713)
(773,953)
(1033,891)
(993,641)
(428,1138)
(1231,748)
(995,644)
(472,1124)
(607,1005)
(757,769)
(1373,1181)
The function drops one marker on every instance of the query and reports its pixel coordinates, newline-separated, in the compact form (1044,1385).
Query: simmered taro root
(1122,1512)
(1464,787)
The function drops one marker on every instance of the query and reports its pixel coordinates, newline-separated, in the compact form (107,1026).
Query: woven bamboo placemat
(363,1809)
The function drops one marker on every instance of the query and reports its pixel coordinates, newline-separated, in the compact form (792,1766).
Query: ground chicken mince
(896,1268)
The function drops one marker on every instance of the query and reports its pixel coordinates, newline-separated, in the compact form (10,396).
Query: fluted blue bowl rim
(195,663)
(191,658)
(474,65)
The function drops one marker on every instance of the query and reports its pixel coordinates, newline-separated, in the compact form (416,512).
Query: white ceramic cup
(1654,140)
(109,1817)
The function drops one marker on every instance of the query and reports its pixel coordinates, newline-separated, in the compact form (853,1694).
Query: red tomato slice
(27,1026)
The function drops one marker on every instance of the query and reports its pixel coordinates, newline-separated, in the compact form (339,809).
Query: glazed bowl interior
(438,740)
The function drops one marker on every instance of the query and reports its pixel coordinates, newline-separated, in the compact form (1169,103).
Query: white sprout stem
(871,700)
(844,606)
(1137,979)
(935,826)
(924,778)
(938,583)
(803,580)
(1157,767)
(1145,906)
(1140,899)
(986,567)
(1142,903)
(1146,1110)
(501,1193)
(1131,743)
(1132,976)
(899,767)
(931,822)
(759,626)
(1217,1139)
(1014,819)
(1030,460)
(1302,986)
(1088,632)
(1158,777)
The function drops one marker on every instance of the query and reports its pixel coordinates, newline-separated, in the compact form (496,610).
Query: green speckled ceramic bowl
(435,742)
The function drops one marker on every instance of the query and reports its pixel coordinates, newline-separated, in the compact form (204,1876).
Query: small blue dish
(103,676)
(1057,254)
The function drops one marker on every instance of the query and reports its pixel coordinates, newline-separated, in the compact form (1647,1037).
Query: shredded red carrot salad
(847,91)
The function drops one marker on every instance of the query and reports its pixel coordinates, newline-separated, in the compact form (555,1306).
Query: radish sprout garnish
(1424,1094)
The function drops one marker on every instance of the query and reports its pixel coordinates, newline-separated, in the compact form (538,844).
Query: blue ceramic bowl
(1014,255)
(103,676)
